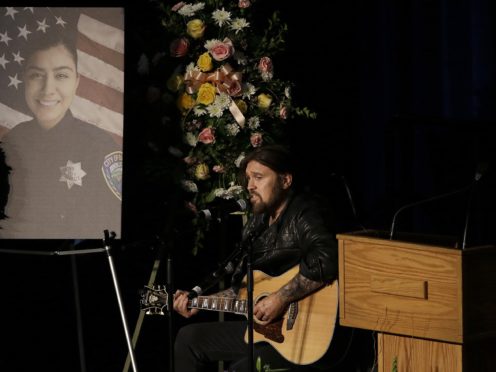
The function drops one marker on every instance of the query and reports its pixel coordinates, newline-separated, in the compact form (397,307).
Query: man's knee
(188,336)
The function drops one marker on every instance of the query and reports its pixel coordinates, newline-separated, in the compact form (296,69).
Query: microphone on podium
(466,188)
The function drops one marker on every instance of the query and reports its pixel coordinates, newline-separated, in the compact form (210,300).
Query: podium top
(411,240)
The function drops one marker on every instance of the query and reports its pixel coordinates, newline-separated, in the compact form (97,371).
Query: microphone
(212,280)
(226,206)
(350,199)
(427,200)
(481,169)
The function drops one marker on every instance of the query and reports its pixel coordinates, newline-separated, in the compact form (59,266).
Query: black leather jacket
(299,236)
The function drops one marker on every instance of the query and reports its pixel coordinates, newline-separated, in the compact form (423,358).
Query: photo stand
(108,238)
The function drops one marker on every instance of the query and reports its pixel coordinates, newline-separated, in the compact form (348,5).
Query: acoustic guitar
(302,335)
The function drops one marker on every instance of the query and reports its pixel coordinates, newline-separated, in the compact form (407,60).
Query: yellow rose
(201,171)
(185,102)
(243,107)
(264,101)
(175,82)
(205,62)
(195,28)
(206,94)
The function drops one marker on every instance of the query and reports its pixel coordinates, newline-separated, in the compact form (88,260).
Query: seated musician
(286,230)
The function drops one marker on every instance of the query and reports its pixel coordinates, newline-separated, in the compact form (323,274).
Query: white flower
(235,191)
(191,67)
(198,111)
(287,92)
(239,159)
(232,129)
(248,90)
(238,24)
(232,192)
(219,193)
(215,111)
(254,122)
(223,100)
(209,44)
(190,139)
(189,186)
(189,10)
(221,16)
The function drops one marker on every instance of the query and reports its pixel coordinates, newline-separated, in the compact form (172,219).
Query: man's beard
(270,205)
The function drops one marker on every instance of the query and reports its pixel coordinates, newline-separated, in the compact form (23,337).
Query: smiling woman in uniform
(58,187)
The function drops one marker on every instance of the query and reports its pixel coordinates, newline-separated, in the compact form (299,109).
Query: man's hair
(276,157)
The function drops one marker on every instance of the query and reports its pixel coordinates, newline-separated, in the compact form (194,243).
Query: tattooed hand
(271,307)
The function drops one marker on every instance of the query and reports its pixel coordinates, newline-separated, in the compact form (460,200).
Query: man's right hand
(181,304)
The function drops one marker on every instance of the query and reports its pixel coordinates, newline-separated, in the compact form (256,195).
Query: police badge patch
(72,173)
(112,172)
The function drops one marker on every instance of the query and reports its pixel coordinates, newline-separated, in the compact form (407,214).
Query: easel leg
(139,322)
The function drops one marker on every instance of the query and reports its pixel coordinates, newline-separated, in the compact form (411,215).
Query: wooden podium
(434,307)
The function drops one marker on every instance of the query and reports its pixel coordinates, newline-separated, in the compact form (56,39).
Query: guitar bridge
(292,314)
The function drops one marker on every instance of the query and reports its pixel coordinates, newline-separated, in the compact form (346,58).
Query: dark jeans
(199,345)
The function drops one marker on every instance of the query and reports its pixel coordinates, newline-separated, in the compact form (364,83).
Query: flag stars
(3,61)
(42,26)
(4,38)
(11,12)
(60,21)
(14,81)
(24,32)
(30,8)
(18,58)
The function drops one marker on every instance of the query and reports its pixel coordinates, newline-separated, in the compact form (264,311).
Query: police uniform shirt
(64,182)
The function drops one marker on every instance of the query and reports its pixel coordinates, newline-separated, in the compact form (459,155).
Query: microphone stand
(170,288)
(249,289)
(477,177)
(248,244)
(433,198)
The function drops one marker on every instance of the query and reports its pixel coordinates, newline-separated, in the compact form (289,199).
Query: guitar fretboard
(224,304)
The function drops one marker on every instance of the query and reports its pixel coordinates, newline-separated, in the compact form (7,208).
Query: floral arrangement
(226,90)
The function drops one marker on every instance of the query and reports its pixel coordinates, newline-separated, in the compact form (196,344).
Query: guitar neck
(221,304)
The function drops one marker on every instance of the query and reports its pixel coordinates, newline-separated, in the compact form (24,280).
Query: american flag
(100,46)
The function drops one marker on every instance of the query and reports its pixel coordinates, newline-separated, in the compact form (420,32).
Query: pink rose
(235,89)
(218,169)
(179,47)
(178,6)
(283,112)
(207,136)
(190,160)
(266,68)
(190,206)
(222,50)
(243,4)
(256,139)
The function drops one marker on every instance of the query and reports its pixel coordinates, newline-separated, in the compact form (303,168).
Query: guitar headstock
(154,300)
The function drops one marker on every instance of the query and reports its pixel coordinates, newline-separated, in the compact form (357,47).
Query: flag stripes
(100,47)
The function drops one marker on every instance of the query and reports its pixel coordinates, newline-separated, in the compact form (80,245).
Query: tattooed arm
(297,288)
(272,306)
(229,293)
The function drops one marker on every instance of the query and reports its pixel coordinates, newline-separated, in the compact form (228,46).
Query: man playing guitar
(289,233)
